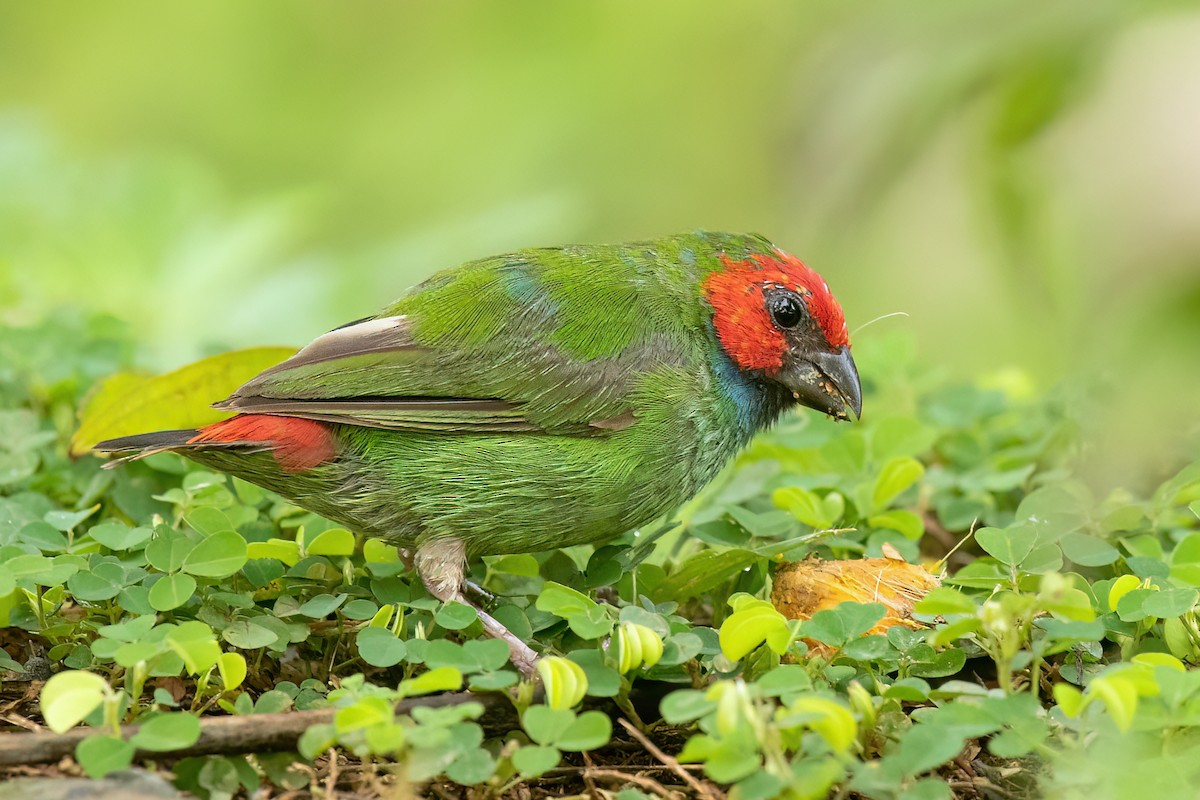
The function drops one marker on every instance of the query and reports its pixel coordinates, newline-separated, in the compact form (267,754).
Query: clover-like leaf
(217,556)
(70,696)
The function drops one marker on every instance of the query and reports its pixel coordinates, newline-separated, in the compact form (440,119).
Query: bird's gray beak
(827,382)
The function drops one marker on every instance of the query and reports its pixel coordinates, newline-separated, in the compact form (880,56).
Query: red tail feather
(297,444)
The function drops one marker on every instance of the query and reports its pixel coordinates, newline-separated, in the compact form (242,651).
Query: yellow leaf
(832,721)
(127,403)
(232,667)
(70,696)
(333,542)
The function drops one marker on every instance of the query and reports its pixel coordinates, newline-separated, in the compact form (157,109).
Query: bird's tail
(297,444)
(131,448)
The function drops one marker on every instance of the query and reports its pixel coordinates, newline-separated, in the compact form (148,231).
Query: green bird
(544,398)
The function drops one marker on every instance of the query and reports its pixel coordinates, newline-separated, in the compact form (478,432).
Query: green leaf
(806,506)
(279,549)
(602,680)
(1068,698)
(945,600)
(129,654)
(1009,545)
(781,681)
(171,591)
(379,647)
(440,679)
(563,601)
(1120,698)
(385,738)
(472,767)
(100,755)
(924,747)
(249,634)
(377,551)
(1170,602)
(546,725)
(828,718)
(586,618)
(906,522)
(897,474)
(589,731)
(66,520)
(911,690)
(316,740)
(333,542)
(1055,510)
(167,732)
(130,630)
(837,626)
(704,572)
(486,654)
(1046,558)
(168,549)
(940,664)
(232,668)
(196,644)
(127,404)
(1071,630)
(492,681)
(455,616)
(208,521)
(1072,604)
(685,705)
(102,582)
(116,536)
(361,609)
(364,713)
(533,760)
(70,696)
(900,436)
(1130,605)
(44,537)
(217,556)
(1088,551)
(322,605)
(759,786)
(28,566)
(752,625)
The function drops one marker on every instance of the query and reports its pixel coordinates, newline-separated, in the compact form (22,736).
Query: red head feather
(740,316)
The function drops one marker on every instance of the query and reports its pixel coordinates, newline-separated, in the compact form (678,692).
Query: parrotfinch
(544,398)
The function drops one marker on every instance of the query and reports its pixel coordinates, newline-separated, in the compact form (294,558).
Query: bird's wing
(486,348)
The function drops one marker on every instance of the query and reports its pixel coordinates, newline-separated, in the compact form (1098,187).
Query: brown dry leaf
(802,588)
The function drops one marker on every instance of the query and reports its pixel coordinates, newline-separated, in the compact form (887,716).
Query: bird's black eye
(787,310)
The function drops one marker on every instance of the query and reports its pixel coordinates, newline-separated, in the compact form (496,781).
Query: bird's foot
(440,564)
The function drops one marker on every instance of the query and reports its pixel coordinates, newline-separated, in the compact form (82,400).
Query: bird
(543,398)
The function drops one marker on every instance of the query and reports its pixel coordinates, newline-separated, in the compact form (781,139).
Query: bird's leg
(478,592)
(441,563)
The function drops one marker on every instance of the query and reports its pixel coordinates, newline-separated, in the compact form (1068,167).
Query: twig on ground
(701,789)
(331,775)
(17,720)
(641,781)
(253,733)
(587,775)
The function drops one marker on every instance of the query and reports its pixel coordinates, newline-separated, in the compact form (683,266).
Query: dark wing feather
(343,350)
(551,341)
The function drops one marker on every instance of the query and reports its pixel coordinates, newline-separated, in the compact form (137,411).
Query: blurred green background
(1022,179)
